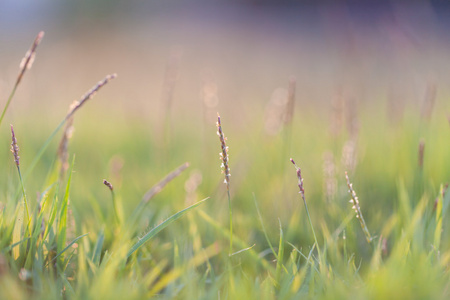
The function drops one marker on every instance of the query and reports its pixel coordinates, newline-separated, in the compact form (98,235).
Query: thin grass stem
(26,64)
(302,193)
(15,151)
(111,188)
(226,170)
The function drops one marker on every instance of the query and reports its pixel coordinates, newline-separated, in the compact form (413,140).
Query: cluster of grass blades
(34,245)
(45,254)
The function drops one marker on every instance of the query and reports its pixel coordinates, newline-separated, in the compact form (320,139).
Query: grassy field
(162,229)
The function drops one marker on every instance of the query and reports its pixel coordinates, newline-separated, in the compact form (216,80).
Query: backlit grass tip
(76,105)
(15,147)
(224,154)
(354,200)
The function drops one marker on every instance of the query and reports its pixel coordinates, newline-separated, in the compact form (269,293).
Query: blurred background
(360,68)
(242,50)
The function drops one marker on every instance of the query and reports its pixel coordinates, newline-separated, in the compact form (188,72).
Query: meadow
(120,210)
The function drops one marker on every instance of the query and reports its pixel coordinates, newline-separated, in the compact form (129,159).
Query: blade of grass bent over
(161,226)
(69,245)
(264,228)
(279,257)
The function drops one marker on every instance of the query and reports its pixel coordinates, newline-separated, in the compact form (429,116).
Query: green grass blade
(70,245)
(62,226)
(438,229)
(264,228)
(53,212)
(96,255)
(9,248)
(161,226)
(279,257)
(37,230)
(17,231)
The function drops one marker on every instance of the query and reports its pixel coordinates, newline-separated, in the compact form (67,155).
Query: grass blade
(62,226)
(161,226)
(279,257)
(98,248)
(70,245)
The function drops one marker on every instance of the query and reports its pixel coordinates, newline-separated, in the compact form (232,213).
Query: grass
(151,235)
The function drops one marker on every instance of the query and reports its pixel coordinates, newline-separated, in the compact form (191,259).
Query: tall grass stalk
(25,64)
(302,193)
(354,200)
(113,196)
(226,170)
(15,151)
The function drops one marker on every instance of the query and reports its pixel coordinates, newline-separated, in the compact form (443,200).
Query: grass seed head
(300,179)
(108,184)
(28,59)
(76,105)
(14,147)
(224,154)
(355,206)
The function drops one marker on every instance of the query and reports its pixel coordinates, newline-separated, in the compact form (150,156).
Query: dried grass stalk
(160,185)
(357,209)
(63,153)
(25,64)
(224,154)
(77,104)
(15,147)
(28,59)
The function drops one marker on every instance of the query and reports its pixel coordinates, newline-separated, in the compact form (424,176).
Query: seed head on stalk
(28,59)
(15,151)
(76,105)
(302,193)
(15,147)
(25,64)
(354,200)
(300,179)
(113,196)
(108,184)
(224,154)
(226,170)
